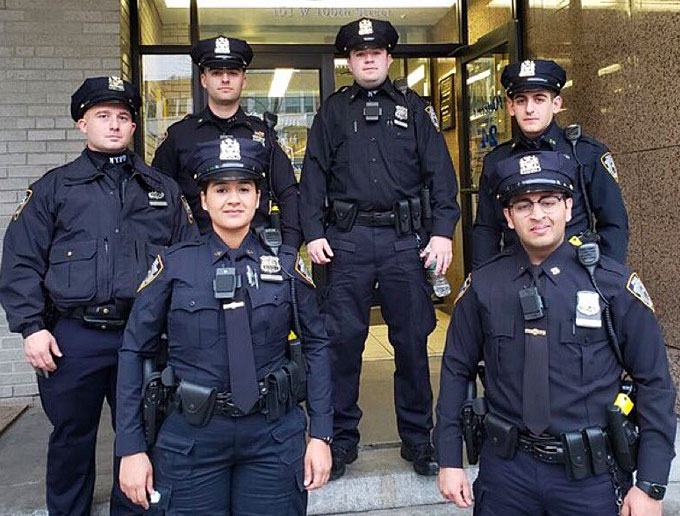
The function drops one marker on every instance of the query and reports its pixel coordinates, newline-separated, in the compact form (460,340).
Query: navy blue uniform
(488,324)
(172,157)
(84,237)
(601,184)
(239,465)
(375,164)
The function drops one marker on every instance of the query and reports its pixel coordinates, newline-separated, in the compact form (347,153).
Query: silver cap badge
(365,27)
(222,46)
(527,68)
(529,165)
(230,149)
(116,83)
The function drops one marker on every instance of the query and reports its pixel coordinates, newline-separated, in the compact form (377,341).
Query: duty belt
(545,449)
(375,218)
(108,316)
(224,406)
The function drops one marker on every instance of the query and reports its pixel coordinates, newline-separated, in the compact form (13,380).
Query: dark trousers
(231,467)
(524,486)
(364,256)
(72,398)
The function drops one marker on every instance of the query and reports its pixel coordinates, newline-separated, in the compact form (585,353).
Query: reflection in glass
(490,122)
(162,25)
(166,96)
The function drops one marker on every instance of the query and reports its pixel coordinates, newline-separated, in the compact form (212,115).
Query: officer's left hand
(441,250)
(637,503)
(317,464)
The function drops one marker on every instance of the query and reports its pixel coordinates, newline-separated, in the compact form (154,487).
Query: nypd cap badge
(529,165)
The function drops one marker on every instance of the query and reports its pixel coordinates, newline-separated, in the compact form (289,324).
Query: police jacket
(376,164)
(85,235)
(179,293)
(602,186)
(487,324)
(173,154)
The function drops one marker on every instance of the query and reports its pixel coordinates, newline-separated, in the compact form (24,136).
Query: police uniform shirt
(377,163)
(601,184)
(487,324)
(173,154)
(179,291)
(84,237)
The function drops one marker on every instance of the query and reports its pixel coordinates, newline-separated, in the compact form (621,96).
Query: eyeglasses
(548,204)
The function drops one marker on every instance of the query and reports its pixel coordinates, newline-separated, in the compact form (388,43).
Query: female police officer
(231,445)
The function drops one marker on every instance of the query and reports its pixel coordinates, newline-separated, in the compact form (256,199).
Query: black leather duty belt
(112,316)
(225,407)
(375,218)
(544,449)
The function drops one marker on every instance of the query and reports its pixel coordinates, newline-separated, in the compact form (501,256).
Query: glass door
(485,120)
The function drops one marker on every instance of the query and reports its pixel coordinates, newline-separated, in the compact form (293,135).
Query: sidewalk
(378,480)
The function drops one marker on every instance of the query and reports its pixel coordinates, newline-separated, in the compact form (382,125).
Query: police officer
(533,99)
(555,328)
(376,158)
(232,445)
(222,62)
(74,253)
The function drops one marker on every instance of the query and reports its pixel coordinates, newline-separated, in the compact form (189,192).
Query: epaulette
(182,245)
(503,254)
(342,89)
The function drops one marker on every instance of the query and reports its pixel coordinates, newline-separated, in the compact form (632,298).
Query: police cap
(96,90)
(229,158)
(536,74)
(365,33)
(222,52)
(541,171)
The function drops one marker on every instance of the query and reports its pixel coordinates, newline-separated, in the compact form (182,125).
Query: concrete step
(379,479)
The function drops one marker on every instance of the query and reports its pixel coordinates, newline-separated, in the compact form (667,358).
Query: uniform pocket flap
(263,295)
(73,251)
(569,332)
(503,327)
(192,300)
(343,245)
(401,245)
(290,427)
(175,443)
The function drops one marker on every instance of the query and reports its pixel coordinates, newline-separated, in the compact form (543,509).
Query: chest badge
(401,116)
(270,267)
(157,198)
(588,311)
(258,136)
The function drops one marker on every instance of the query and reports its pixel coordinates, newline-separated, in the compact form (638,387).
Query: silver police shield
(588,312)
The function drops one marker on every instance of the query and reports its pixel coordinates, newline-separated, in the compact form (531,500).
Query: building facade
(621,57)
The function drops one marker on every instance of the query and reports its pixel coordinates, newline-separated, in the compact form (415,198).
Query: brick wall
(47,48)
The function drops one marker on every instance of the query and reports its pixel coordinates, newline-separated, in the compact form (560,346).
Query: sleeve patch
(463,288)
(608,163)
(301,269)
(187,209)
(154,271)
(637,288)
(433,117)
(22,204)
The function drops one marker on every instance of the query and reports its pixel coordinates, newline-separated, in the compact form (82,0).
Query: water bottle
(440,284)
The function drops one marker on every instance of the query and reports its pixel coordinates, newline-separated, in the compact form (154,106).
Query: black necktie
(242,376)
(536,384)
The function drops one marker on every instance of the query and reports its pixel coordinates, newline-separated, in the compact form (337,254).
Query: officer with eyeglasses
(533,99)
(556,325)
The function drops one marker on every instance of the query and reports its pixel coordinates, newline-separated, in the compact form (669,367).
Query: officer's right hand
(136,478)
(39,348)
(320,251)
(455,486)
